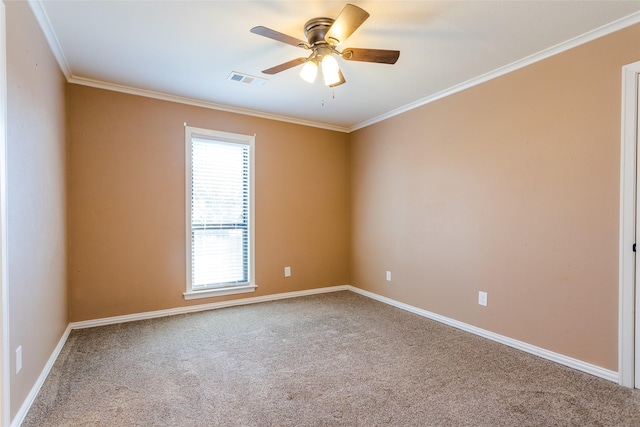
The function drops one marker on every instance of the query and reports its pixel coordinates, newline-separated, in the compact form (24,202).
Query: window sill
(216,292)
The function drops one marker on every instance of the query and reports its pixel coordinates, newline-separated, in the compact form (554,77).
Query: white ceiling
(187,49)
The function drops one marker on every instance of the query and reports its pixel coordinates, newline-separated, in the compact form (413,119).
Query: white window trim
(240,288)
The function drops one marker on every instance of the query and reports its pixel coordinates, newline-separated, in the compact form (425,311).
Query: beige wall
(36,171)
(127,203)
(510,187)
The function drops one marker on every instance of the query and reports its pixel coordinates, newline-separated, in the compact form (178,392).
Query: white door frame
(628,348)
(4,305)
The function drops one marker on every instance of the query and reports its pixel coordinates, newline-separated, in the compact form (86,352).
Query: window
(219,211)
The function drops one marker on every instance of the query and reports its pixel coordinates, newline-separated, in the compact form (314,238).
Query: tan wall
(510,187)
(36,175)
(127,203)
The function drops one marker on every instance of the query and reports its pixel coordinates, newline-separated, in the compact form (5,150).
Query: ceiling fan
(323,36)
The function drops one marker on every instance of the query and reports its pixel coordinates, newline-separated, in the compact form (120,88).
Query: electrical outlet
(287,271)
(482,298)
(18,359)
(388,276)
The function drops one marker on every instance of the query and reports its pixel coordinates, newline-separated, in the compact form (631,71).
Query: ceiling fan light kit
(323,37)
(330,70)
(309,71)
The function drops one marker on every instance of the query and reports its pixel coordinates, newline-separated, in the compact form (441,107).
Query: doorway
(629,271)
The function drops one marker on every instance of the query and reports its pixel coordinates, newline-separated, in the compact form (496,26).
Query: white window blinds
(220,215)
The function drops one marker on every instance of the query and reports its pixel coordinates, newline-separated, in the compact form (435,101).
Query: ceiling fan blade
(346,23)
(341,81)
(380,56)
(284,66)
(275,35)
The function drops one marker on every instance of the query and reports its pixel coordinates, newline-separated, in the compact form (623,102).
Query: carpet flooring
(337,359)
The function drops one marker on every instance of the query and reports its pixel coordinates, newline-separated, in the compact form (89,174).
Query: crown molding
(43,20)
(199,103)
(612,27)
(45,25)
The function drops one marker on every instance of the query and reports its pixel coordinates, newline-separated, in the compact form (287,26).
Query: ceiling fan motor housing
(316,29)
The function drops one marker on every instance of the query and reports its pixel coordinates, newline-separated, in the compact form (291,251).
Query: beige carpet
(336,359)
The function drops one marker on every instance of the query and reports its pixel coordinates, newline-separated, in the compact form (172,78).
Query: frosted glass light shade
(330,70)
(309,71)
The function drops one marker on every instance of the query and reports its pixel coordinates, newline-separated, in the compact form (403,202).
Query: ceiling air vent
(246,79)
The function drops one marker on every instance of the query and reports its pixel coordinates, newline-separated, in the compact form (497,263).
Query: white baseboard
(537,351)
(532,349)
(31,397)
(520,345)
(202,307)
(26,405)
